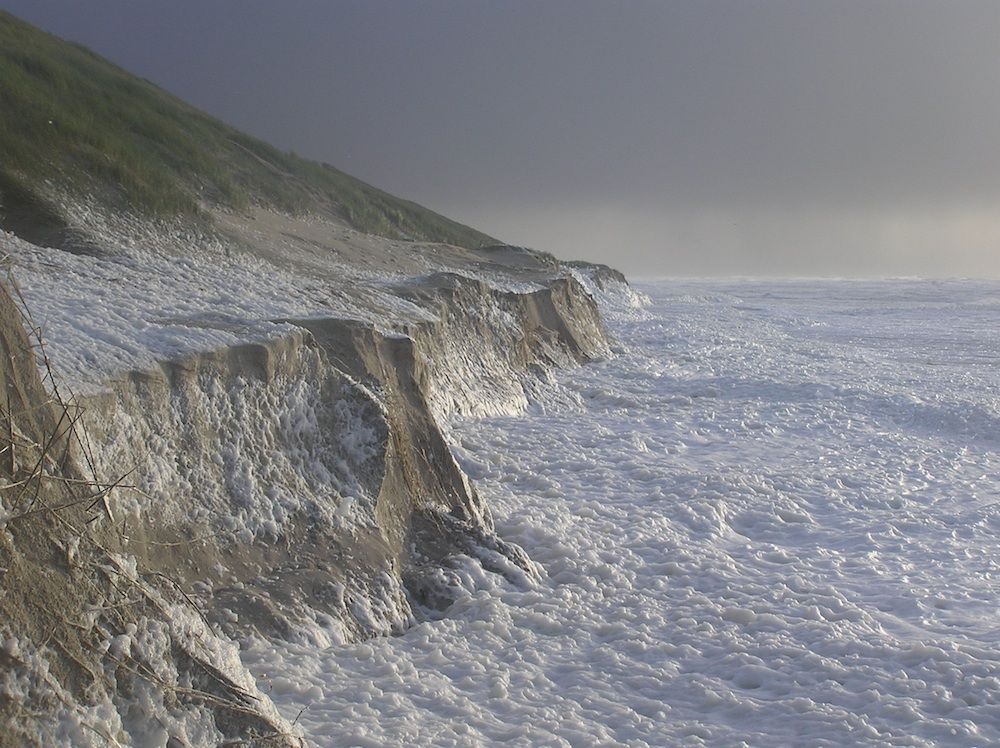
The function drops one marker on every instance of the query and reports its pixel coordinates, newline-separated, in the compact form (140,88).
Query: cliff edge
(283,475)
(228,375)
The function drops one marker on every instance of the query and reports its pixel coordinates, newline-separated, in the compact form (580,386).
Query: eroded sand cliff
(258,446)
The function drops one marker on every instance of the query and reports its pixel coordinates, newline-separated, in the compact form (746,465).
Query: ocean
(770,518)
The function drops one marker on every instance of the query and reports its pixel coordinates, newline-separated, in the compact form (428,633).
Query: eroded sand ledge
(294,481)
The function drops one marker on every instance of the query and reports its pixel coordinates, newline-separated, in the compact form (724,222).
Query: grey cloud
(835,138)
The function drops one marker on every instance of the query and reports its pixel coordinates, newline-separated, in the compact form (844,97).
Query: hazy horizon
(841,139)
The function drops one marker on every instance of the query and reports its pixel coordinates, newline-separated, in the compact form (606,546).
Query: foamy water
(772,519)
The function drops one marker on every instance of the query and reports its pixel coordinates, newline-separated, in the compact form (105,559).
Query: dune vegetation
(74,121)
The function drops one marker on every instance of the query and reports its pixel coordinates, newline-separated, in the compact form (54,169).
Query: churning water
(773,518)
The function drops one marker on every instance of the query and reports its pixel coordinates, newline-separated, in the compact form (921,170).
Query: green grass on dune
(70,117)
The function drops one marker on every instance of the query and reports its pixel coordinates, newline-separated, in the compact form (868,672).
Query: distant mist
(766,138)
(651,242)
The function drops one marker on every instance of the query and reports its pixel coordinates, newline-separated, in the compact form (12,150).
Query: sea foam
(769,519)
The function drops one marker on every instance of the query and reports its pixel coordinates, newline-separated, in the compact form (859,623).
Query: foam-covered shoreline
(769,521)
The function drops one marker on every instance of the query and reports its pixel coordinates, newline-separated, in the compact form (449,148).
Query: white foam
(771,519)
(102,316)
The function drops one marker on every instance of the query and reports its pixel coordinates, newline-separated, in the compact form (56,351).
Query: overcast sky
(746,137)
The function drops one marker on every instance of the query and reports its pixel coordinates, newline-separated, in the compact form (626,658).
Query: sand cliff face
(317,460)
(299,485)
(248,361)
(95,649)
